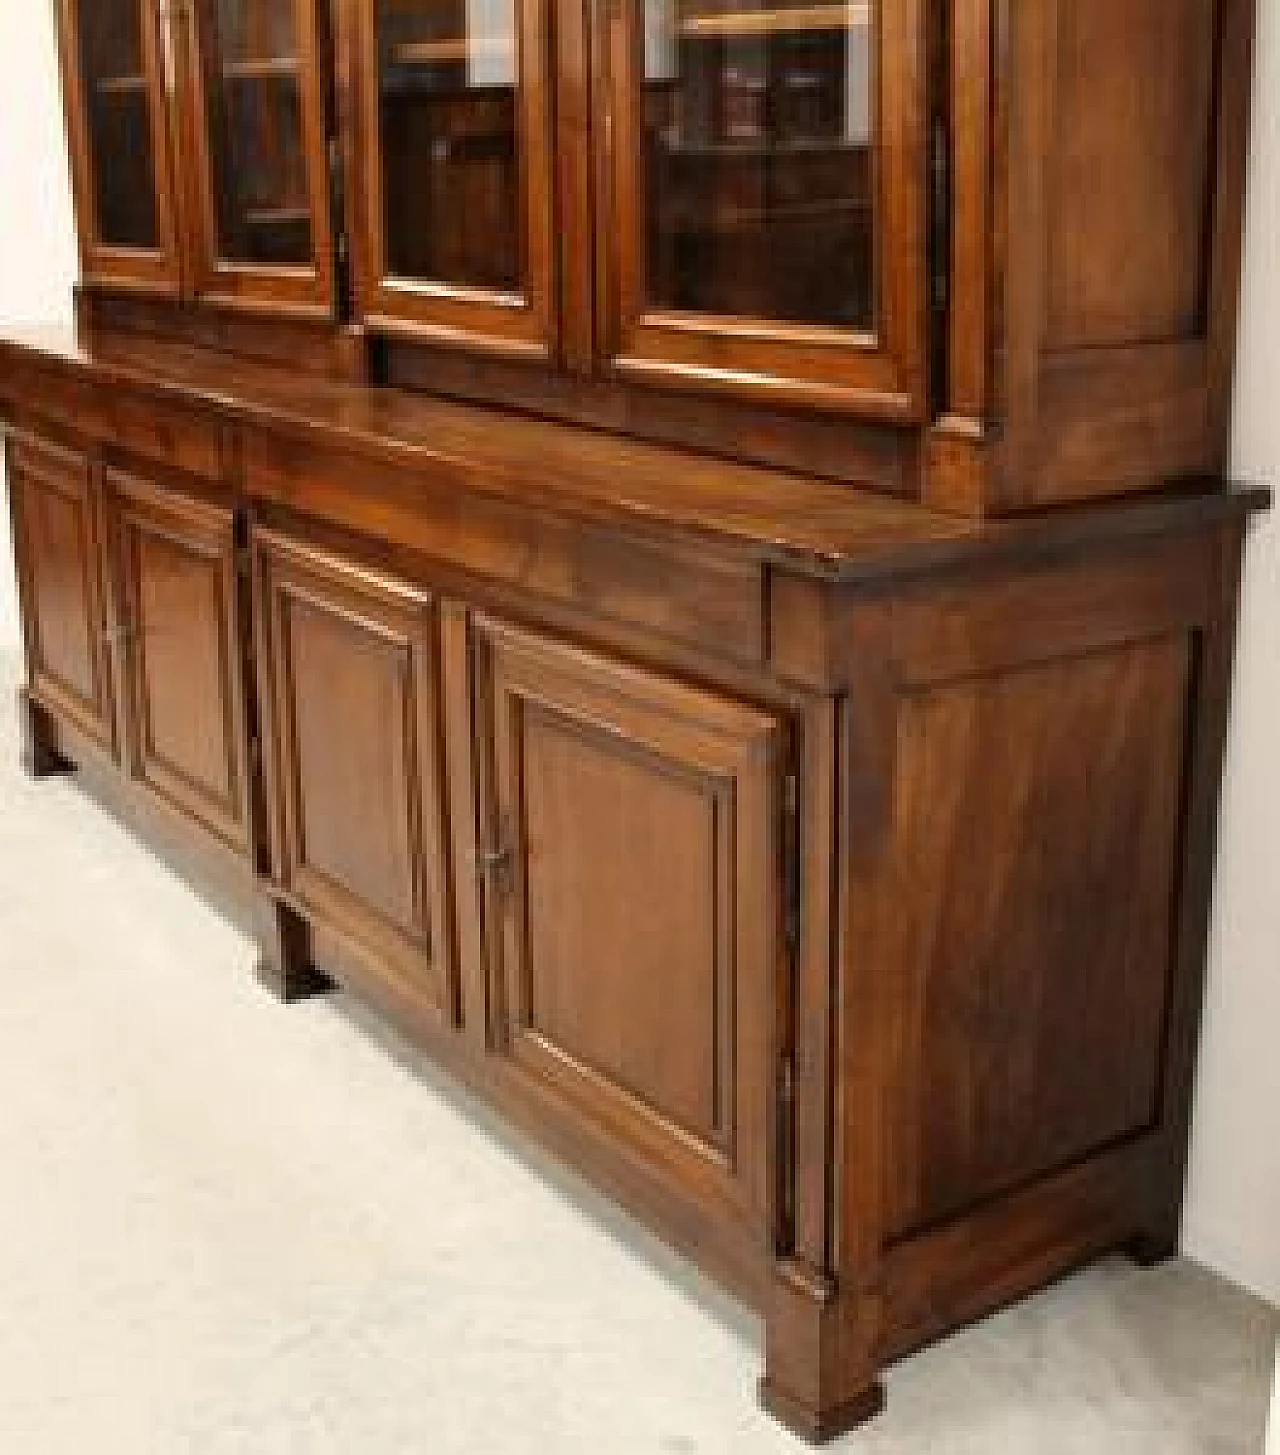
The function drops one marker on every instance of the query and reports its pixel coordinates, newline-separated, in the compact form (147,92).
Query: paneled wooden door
(179,628)
(113,77)
(454,158)
(255,81)
(762,220)
(353,759)
(58,546)
(631,908)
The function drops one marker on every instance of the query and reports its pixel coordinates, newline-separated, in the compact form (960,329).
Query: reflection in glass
(253,83)
(450,151)
(758,159)
(118,107)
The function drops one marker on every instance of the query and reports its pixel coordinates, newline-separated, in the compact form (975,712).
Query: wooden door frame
(156,270)
(881,374)
(302,291)
(516,325)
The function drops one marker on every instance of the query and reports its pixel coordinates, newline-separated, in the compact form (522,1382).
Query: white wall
(1232,1219)
(1273,1429)
(37,240)
(1233,1209)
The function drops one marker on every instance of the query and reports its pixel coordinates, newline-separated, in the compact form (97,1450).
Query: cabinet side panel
(1036,822)
(1134,105)
(1099,165)
(1128,357)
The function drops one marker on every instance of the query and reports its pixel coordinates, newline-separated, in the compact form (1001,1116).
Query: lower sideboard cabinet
(179,638)
(866,969)
(57,520)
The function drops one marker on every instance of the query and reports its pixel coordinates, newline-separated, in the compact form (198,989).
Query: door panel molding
(630,906)
(177,594)
(353,756)
(58,551)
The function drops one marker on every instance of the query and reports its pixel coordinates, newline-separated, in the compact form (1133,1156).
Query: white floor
(228,1226)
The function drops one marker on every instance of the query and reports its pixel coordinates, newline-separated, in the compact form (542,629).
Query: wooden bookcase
(680,548)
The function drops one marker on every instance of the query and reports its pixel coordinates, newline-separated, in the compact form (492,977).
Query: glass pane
(758,159)
(118,107)
(450,153)
(253,81)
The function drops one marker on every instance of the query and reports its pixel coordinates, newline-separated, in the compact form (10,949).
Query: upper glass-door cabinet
(455,238)
(113,79)
(765,230)
(264,236)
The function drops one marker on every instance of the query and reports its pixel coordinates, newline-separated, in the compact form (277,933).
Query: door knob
(120,636)
(496,861)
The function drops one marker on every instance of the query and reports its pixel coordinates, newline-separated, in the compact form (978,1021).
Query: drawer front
(180,632)
(57,540)
(630,908)
(688,592)
(352,759)
(148,427)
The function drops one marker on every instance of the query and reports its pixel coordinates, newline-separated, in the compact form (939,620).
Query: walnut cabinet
(679,548)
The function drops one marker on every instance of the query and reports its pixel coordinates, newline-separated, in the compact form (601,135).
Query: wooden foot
(820,1378)
(820,1425)
(39,755)
(1150,1249)
(284,964)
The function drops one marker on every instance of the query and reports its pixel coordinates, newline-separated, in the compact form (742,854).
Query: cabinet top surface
(811,525)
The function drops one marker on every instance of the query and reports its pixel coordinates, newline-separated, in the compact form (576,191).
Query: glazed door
(348,669)
(57,545)
(630,908)
(258,136)
(179,629)
(117,125)
(454,150)
(763,224)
